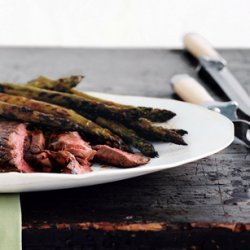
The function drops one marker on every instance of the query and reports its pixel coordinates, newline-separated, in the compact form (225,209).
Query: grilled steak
(44,161)
(41,162)
(35,153)
(64,152)
(73,143)
(118,157)
(71,152)
(37,143)
(68,163)
(12,137)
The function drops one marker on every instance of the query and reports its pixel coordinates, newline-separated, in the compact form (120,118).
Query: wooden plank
(173,238)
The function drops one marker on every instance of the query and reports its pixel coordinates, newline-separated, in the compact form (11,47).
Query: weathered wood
(175,237)
(186,205)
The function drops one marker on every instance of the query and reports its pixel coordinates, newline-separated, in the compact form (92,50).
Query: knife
(216,68)
(190,90)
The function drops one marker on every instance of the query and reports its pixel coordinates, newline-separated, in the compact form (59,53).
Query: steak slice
(12,137)
(44,161)
(118,157)
(70,152)
(37,143)
(35,153)
(68,163)
(73,143)
(41,161)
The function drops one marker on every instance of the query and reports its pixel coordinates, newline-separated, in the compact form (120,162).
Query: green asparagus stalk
(153,114)
(93,98)
(25,114)
(61,84)
(129,136)
(64,85)
(90,109)
(101,135)
(157,133)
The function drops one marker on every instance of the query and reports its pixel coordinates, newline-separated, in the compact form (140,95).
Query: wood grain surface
(201,205)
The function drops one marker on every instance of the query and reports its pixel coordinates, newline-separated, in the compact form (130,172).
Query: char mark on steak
(12,137)
(118,158)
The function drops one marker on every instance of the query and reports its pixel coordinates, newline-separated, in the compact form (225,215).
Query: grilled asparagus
(64,85)
(43,82)
(25,114)
(93,109)
(129,136)
(157,133)
(61,84)
(100,134)
(90,109)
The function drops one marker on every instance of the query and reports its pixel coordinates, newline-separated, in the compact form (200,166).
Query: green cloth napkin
(10,222)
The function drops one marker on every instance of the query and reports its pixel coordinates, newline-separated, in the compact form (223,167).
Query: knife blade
(190,90)
(216,68)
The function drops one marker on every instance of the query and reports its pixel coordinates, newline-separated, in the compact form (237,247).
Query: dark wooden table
(201,205)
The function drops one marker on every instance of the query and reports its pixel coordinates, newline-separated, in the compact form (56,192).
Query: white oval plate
(208,133)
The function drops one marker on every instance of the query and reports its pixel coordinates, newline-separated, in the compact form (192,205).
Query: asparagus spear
(61,84)
(152,114)
(68,89)
(25,114)
(129,136)
(93,98)
(101,135)
(90,109)
(157,133)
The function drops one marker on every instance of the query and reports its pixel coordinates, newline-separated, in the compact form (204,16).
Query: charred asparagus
(90,109)
(157,133)
(15,112)
(66,86)
(100,134)
(129,136)
(61,84)
(157,130)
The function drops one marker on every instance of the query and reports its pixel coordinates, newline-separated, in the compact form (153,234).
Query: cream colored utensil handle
(199,46)
(190,90)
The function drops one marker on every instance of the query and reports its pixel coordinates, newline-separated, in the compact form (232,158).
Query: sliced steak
(44,161)
(12,137)
(41,161)
(73,143)
(68,163)
(37,143)
(118,157)
(35,153)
